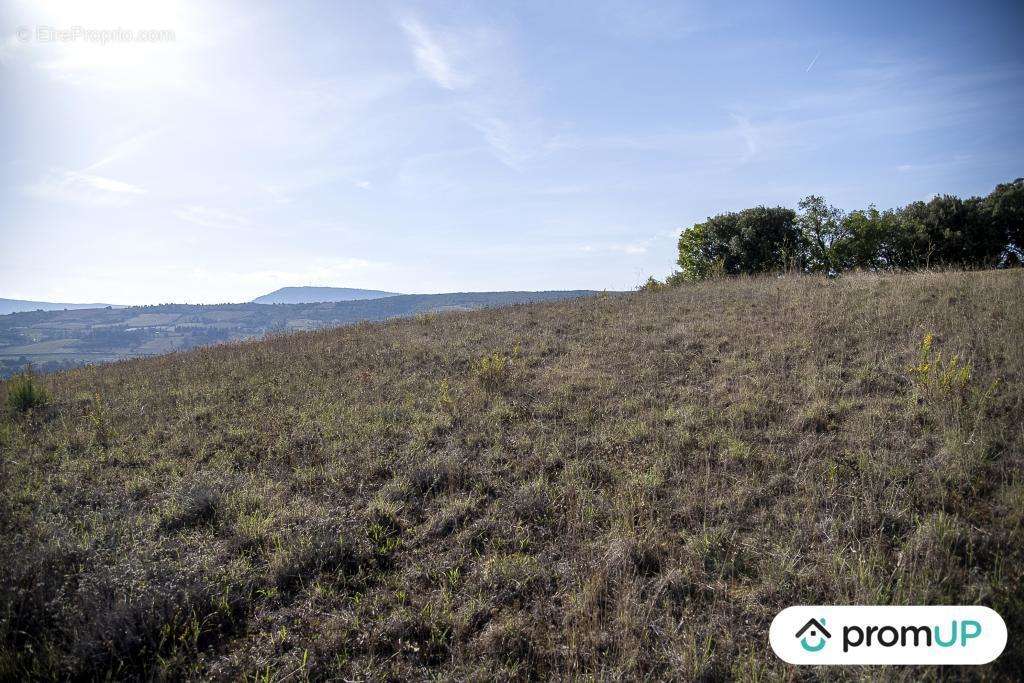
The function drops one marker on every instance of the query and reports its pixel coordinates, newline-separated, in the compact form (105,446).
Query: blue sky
(427,147)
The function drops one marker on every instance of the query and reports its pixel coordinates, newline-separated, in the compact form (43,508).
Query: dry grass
(624,486)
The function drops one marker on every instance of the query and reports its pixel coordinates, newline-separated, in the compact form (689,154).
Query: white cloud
(83,188)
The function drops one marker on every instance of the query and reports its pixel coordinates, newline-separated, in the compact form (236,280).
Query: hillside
(621,486)
(20,305)
(311,295)
(57,340)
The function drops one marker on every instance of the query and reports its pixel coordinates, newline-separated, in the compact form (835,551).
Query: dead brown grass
(618,487)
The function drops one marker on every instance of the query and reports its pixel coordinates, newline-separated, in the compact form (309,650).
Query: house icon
(817,630)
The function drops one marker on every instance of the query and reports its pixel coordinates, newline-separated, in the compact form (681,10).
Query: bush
(493,371)
(652,285)
(24,394)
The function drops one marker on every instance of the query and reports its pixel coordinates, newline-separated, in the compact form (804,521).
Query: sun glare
(113,43)
(113,14)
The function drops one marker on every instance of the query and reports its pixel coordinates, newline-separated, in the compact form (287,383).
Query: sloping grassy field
(625,486)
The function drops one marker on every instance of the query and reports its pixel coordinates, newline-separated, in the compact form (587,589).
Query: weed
(946,383)
(936,376)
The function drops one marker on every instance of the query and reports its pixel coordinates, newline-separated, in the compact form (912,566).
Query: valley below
(57,340)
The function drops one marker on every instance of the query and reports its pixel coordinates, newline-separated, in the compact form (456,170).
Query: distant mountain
(315,295)
(21,306)
(54,340)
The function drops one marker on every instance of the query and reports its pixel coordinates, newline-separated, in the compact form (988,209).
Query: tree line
(946,231)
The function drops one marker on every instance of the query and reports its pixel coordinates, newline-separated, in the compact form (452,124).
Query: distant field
(616,487)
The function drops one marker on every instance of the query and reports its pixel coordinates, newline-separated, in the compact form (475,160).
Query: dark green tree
(945,231)
(758,240)
(950,231)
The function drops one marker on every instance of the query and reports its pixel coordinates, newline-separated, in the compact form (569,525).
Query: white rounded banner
(876,634)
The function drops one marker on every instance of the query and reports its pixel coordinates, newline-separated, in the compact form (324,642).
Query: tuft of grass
(198,507)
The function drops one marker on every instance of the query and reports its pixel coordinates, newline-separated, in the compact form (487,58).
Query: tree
(948,230)
(1006,208)
(755,240)
(821,229)
(871,241)
(944,231)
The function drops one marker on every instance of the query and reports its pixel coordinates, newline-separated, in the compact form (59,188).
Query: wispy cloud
(704,147)
(432,57)
(211,218)
(123,150)
(652,21)
(937,165)
(503,138)
(475,64)
(813,61)
(83,188)
(749,134)
(629,248)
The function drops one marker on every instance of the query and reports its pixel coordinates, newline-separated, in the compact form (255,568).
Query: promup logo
(817,629)
(888,635)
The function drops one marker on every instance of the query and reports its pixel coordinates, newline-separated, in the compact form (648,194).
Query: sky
(205,152)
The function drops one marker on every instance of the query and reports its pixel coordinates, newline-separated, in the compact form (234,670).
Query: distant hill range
(57,339)
(21,306)
(313,295)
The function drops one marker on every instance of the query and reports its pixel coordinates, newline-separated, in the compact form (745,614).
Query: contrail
(812,62)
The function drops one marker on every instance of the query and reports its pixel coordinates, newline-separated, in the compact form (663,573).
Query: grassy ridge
(619,486)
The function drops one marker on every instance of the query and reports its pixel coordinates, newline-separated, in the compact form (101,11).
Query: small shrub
(24,394)
(426,318)
(445,402)
(936,375)
(947,384)
(493,371)
(653,285)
